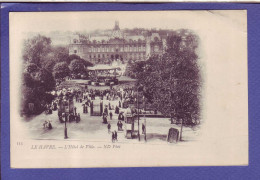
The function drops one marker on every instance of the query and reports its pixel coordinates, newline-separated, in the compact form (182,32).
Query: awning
(100,67)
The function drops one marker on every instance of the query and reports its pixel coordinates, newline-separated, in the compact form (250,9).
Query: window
(75,40)
(75,51)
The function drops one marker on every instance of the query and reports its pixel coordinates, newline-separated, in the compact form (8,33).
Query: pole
(65,130)
(144,121)
(181,129)
(144,128)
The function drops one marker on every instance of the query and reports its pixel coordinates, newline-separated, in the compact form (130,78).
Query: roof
(99,38)
(135,38)
(102,67)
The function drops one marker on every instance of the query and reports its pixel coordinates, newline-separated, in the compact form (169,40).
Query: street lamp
(65,130)
(144,120)
(139,88)
(138,114)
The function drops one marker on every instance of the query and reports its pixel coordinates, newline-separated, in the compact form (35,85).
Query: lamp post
(144,120)
(181,129)
(66,119)
(65,128)
(138,114)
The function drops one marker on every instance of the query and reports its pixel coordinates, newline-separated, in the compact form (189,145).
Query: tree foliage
(76,57)
(76,66)
(37,82)
(133,69)
(61,70)
(171,82)
(36,48)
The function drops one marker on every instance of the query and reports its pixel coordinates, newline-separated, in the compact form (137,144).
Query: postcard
(128,88)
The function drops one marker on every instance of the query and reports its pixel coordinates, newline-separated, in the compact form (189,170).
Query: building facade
(116,46)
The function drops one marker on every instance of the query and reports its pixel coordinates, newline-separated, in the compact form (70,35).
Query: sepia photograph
(128,88)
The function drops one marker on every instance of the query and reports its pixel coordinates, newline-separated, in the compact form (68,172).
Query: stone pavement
(91,128)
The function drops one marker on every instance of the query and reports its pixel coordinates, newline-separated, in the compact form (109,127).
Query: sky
(88,21)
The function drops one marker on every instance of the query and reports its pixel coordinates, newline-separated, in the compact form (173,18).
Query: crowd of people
(116,100)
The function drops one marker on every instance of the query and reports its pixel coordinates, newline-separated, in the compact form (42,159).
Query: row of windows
(156,49)
(104,42)
(140,55)
(114,49)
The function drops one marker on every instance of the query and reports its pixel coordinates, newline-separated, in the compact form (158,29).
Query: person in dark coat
(143,128)
(118,125)
(121,117)
(117,110)
(78,117)
(105,119)
(106,110)
(108,127)
(49,125)
(115,135)
(111,115)
(119,104)
(84,108)
(55,106)
(103,115)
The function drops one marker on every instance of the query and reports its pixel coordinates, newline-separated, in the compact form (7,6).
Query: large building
(116,45)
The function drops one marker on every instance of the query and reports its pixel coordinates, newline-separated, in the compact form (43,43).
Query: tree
(31,67)
(76,66)
(61,54)
(74,56)
(36,48)
(28,81)
(49,65)
(172,81)
(61,70)
(37,82)
(57,54)
(133,69)
(44,80)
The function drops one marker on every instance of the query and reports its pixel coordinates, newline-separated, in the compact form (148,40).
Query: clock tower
(116,33)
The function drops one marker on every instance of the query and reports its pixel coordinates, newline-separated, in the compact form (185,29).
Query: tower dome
(116,33)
